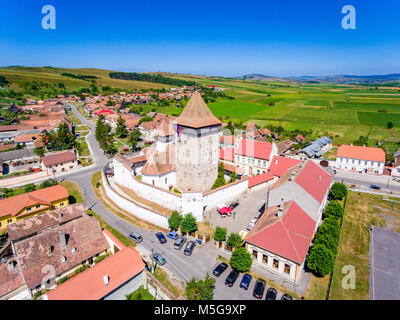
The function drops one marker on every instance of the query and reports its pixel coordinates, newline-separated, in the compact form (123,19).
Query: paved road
(365,180)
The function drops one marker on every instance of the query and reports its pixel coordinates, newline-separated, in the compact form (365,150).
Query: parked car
(161,237)
(286,297)
(135,237)
(259,288)
(251,224)
(233,205)
(173,235)
(159,258)
(374,186)
(271,294)
(220,269)
(245,283)
(179,243)
(189,248)
(231,278)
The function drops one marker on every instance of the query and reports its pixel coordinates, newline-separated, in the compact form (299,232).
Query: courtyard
(250,206)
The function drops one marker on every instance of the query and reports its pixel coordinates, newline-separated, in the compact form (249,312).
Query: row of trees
(157,78)
(322,255)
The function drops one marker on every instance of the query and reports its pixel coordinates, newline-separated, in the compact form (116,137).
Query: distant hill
(330,78)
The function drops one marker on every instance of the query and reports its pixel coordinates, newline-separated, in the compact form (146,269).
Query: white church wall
(212,199)
(136,210)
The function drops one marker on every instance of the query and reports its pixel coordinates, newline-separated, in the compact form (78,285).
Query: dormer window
(50,250)
(63,259)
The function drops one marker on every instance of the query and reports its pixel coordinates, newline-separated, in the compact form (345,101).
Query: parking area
(223,292)
(250,206)
(385,264)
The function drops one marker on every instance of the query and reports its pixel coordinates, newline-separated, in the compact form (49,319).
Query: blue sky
(228,38)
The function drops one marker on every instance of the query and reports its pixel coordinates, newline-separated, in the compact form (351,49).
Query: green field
(343,111)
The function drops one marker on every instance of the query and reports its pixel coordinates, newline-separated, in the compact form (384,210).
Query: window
(53,207)
(286,268)
(255,254)
(165,180)
(264,164)
(265,259)
(152,182)
(37,206)
(28,209)
(9,221)
(259,162)
(275,263)
(62,204)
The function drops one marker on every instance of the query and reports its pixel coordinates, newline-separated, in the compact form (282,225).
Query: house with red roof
(280,165)
(280,239)
(254,156)
(360,159)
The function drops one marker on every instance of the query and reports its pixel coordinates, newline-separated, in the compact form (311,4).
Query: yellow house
(30,204)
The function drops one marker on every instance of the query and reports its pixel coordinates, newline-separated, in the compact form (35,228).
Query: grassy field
(362,210)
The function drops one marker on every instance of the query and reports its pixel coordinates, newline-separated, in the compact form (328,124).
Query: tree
(121,129)
(188,223)
(320,260)
(390,125)
(328,241)
(220,234)
(231,127)
(134,138)
(174,221)
(338,191)
(220,181)
(235,240)
(241,260)
(330,226)
(333,209)
(103,135)
(30,187)
(233,177)
(39,152)
(140,294)
(200,289)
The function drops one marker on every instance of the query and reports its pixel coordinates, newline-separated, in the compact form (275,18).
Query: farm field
(342,111)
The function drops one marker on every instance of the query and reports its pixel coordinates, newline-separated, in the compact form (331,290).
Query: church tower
(198,132)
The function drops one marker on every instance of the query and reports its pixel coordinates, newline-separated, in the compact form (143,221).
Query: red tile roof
(261,178)
(197,114)
(314,180)
(254,149)
(14,205)
(89,285)
(61,157)
(362,153)
(279,165)
(289,237)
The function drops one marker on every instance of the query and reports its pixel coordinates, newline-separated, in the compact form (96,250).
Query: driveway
(250,206)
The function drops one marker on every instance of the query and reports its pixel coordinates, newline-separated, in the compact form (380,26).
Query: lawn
(75,195)
(361,211)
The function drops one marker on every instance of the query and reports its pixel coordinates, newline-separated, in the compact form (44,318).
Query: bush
(320,260)
(220,234)
(333,209)
(101,258)
(81,269)
(241,260)
(30,187)
(97,184)
(338,191)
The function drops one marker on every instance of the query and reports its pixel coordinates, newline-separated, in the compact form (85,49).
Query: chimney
(11,265)
(276,160)
(105,279)
(319,178)
(63,240)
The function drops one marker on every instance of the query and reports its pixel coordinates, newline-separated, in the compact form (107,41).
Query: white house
(360,159)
